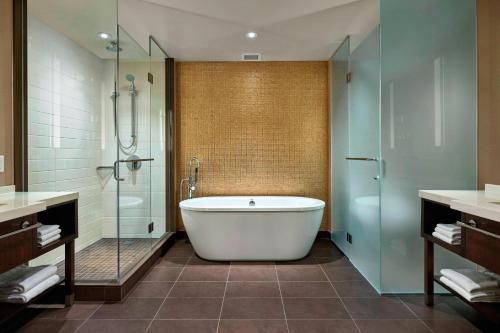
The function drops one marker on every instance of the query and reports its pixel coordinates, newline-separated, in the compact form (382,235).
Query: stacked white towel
(21,284)
(47,234)
(472,285)
(449,233)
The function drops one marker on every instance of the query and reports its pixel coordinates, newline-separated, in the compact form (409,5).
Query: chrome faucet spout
(194,162)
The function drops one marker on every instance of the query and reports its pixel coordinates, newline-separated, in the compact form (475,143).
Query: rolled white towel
(479,296)
(449,226)
(448,240)
(447,232)
(23,278)
(470,280)
(50,240)
(33,292)
(46,228)
(49,235)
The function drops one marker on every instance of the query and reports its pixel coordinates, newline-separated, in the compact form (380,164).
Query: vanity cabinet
(16,241)
(18,245)
(480,244)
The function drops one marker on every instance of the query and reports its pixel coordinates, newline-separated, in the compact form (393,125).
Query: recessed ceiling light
(251,34)
(103,35)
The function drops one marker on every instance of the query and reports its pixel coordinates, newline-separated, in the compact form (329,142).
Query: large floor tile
(252,289)
(252,308)
(349,273)
(163,274)
(198,289)
(183,326)
(314,308)
(51,325)
(307,261)
(181,251)
(445,307)
(172,261)
(252,326)
(392,326)
(377,308)
(77,311)
(197,261)
(204,273)
(252,273)
(354,289)
(114,326)
(151,289)
(131,308)
(340,261)
(307,289)
(301,273)
(190,308)
(322,326)
(453,326)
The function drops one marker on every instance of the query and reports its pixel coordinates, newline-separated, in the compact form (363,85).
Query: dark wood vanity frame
(478,245)
(18,245)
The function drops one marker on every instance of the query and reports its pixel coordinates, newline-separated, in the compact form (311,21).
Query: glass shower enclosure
(98,125)
(403,119)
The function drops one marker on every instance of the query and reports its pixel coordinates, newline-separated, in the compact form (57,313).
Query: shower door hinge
(150,78)
(348,77)
(151,227)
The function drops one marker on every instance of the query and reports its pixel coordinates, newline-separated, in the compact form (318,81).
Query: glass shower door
(134,156)
(363,159)
(339,69)
(356,154)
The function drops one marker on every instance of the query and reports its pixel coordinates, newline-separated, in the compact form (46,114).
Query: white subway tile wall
(65,84)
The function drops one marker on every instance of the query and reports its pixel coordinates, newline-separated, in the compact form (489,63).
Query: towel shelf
(480,244)
(18,244)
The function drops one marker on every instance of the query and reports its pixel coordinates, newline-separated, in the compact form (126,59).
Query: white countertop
(479,203)
(18,204)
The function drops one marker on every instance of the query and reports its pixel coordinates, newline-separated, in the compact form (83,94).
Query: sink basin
(2,204)
(495,202)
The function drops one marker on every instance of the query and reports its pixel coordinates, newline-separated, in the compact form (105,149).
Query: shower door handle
(115,166)
(366,159)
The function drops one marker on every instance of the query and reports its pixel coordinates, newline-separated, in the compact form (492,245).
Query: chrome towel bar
(367,159)
(472,227)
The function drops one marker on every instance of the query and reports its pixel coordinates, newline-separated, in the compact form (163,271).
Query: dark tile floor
(321,293)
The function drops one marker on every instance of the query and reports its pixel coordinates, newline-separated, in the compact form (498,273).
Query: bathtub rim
(316,204)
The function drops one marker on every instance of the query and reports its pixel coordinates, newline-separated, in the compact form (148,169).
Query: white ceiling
(215,29)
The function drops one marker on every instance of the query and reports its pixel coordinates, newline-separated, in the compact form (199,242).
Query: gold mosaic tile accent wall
(258,128)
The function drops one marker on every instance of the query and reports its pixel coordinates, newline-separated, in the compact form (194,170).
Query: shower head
(130,77)
(113,46)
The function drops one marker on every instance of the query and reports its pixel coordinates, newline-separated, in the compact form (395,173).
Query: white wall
(64,110)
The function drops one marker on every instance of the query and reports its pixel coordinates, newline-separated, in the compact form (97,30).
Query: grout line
(90,316)
(281,297)
(409,309)
(340,298)
(223,297)
(166,297)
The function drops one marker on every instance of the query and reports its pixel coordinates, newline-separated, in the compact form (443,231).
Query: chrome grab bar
(24,227)
(370,159)
(472,226)
(104,167)
(115,165)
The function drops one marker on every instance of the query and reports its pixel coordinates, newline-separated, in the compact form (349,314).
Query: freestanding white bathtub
(231,228)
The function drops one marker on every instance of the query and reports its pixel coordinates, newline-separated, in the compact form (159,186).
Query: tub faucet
(192,179)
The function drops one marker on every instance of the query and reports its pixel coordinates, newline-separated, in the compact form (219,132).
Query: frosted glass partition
(364,142)
(428,66)
(339,67)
